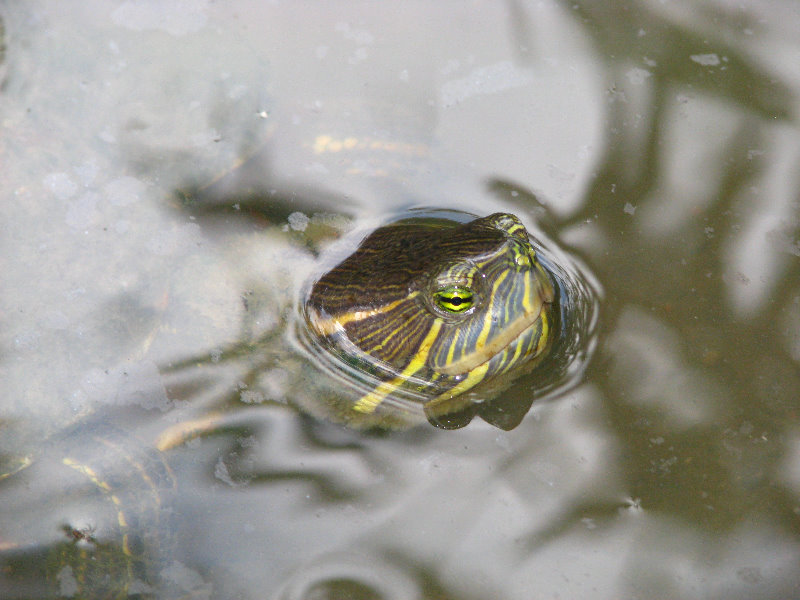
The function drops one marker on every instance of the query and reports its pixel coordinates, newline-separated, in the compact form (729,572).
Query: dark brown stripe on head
(390,261)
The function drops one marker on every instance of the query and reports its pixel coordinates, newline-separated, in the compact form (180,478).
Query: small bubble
(706,60)
(298,221)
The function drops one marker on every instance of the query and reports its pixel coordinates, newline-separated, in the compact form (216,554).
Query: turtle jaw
(515,333)
(531,342)
(497,334)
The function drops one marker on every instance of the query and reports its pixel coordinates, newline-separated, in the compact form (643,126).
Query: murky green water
(657,143)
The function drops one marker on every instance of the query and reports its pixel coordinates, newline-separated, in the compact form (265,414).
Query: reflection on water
(657,140)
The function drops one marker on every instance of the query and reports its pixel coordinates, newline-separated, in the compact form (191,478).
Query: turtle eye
(454,299)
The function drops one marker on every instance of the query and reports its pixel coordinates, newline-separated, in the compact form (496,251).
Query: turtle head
(435,307)
(486,298)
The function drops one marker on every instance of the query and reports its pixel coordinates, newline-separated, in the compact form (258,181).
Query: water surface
(657,143)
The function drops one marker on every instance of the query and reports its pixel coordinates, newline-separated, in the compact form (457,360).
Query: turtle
(429,318)
(424,315)
(427,315)
(427,310)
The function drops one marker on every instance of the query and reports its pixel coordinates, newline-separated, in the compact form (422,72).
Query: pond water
(169,172)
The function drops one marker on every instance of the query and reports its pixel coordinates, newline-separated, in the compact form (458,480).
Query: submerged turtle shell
(122,492)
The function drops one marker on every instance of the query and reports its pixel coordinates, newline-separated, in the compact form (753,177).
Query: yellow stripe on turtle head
(369,402)
(334,324)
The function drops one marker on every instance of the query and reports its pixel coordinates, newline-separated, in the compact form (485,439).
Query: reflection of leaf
(634,34)
(677,278)
(524,201)
(251,196)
